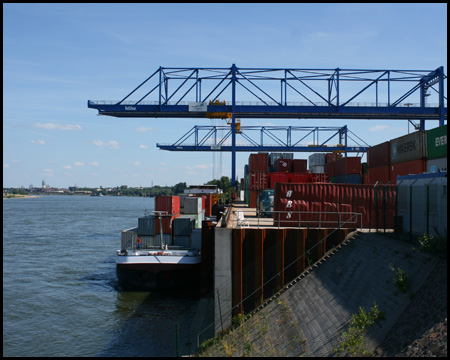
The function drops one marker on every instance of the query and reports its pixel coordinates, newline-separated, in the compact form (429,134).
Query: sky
(56,57)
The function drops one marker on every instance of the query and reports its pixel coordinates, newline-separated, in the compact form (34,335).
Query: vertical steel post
(441,96)
(337,88)
(422,105)
(160,85)
(233,128)
(389,88)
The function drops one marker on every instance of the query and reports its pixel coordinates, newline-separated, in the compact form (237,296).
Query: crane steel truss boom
(282,138)
(283,94)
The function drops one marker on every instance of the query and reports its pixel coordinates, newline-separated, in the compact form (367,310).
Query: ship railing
(319,219)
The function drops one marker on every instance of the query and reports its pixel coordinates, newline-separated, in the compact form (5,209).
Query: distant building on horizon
(43,184)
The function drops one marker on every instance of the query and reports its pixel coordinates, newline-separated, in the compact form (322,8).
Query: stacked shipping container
(379,163)
(258,177)
(348,170)
(408,154)
(437,149)
(329,205)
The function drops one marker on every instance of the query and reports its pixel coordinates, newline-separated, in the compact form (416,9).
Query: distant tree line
(224,183)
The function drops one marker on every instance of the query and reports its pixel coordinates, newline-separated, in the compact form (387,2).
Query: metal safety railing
(319,219)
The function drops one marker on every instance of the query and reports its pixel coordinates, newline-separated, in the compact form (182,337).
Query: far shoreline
(19,196)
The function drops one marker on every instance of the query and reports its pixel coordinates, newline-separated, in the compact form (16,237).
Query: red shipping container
(171,204)
(259,180)
(208,205)
(258,162)
(299,178)
(379,155)
(406,168)
(253,201)
(283,165)
(348,165)
(167,222)
(336,199)
(330,157)
(329,168)
(319,178)
(380,174)
(299,166)
(277,177)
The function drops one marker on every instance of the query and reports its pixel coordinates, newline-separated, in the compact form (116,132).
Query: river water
(60,291)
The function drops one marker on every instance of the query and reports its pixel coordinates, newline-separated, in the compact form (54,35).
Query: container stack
(437,149)
(348,170)
(332,205)
(379,163)
(184,225)
(171,205)
(258,176)
(329,167)
(264,170)
(280,167)
(317,163)
(408,155)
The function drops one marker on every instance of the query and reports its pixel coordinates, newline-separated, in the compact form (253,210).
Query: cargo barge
(164,252)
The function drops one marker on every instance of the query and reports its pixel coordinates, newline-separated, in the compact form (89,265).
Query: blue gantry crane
(359,94)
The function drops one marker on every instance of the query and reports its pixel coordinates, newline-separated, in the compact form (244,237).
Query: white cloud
(378,128)
(144,128)
(143,146)
(40,142)
(112,144)
(51,126)
(78,163)
(48,170)
(68,167)
(201,166)
(94,163)
(6,165)
(136,163)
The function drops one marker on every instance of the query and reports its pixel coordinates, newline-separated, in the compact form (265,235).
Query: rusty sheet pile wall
(264,260)
(328,205)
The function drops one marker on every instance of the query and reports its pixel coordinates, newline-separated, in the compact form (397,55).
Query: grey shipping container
(182,240)
(183,225)
(409,147)
(192,205)
(129,238)
(422,203)
(196,238)
(146,225)
(167,239)
(147,241)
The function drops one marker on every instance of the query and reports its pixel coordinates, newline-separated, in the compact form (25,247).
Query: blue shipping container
(348,179)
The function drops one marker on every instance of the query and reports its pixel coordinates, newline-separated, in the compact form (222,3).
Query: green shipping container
(364,167)
(437,142)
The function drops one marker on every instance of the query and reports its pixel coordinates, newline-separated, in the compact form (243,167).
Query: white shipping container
(318,169)
(437,165)
(317,159)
